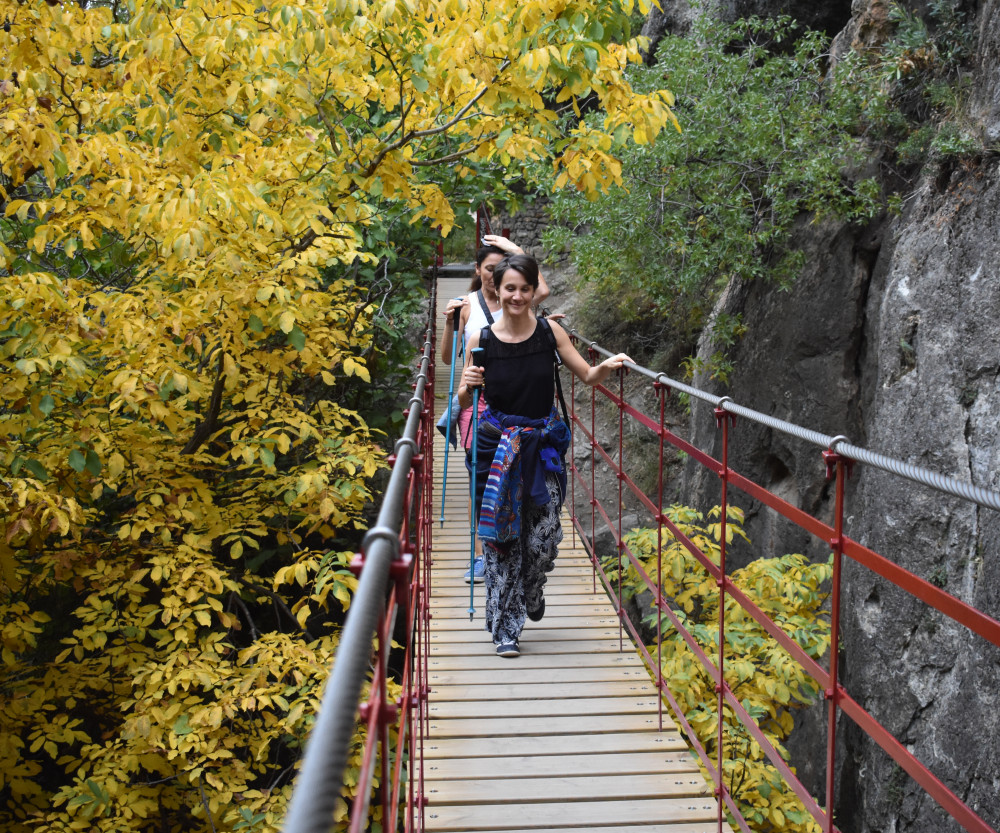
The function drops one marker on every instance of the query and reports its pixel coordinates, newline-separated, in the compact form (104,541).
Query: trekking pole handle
(475,362)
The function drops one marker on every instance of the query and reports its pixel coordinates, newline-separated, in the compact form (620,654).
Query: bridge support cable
(839,456)
(393,578)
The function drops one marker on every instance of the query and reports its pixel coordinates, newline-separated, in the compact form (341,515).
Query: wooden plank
(542,746)
(456,577)
(584,707)
(453,578)
(677,827)
(531,648)
(590,814)
(531,766)
(459,587)
(461,624)
(495,727)
(473,662)
(556,592)
(471,681)
(604,611)
(532,631)
(522,690)
(569,788)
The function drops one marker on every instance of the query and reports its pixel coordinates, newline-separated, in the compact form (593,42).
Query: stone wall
(526,228)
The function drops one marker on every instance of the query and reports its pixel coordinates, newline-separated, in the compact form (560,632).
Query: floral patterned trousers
(516,572)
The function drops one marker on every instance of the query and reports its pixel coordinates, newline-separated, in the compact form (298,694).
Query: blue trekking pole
(474,521)
(451,398)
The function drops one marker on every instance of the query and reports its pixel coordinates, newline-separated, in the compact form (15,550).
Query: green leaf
(46,404)
(255,324)
(59,162)
(93,464)
(181,726)
(36,469)
(420,83)
(215,142)
(77,459)
(267,456)
(297,338)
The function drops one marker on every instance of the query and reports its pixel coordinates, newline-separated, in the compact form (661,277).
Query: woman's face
(485,271)
(515,292)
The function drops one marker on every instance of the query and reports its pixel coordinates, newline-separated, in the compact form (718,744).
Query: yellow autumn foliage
(187,193)
(768,682)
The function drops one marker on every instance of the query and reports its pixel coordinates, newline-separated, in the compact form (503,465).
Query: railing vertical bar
(833,693)
(723,420)
(593,474)
(383,723)
(621,468)
(661,391)
(572,458)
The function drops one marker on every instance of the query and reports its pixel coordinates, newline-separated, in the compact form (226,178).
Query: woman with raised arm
(520,476)
(478,309)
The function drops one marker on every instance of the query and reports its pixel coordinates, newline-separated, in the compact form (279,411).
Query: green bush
(766,138)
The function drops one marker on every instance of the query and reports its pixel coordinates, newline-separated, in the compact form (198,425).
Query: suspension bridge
(581,732)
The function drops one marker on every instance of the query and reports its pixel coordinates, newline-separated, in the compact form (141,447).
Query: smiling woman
(520,471)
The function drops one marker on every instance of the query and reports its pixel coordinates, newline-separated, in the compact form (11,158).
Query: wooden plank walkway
(563,738)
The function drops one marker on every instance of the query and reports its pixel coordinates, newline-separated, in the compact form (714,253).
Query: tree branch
(207,425)
(421,163)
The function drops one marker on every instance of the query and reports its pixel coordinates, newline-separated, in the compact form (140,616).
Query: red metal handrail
(838,458)
(394,569)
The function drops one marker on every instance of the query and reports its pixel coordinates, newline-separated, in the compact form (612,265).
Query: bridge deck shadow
(564,738)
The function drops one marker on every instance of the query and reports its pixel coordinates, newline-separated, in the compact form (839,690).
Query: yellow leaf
(352,367)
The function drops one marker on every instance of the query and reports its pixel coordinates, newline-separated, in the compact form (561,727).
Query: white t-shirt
(477,318)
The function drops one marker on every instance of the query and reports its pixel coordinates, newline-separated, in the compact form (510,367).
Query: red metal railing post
(723,419)
(383,706)
(621,484)
(840,467)
(660,389)
(572,456)
(592,353)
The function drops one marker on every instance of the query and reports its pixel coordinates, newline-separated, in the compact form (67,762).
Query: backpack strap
(556,364)
(485,306)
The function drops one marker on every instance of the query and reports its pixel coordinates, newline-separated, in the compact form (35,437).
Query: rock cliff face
(892,337)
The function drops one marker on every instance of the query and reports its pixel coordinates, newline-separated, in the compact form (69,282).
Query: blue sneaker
(479,570)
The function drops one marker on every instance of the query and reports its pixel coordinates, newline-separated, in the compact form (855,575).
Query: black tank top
(518,378)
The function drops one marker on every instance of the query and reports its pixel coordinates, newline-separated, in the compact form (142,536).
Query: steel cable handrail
(320,781)
(838,443)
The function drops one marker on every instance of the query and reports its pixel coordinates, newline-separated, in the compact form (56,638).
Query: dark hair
(482,253)
(525,264)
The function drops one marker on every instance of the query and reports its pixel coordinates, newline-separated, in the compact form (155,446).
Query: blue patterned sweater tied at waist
(514,456)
